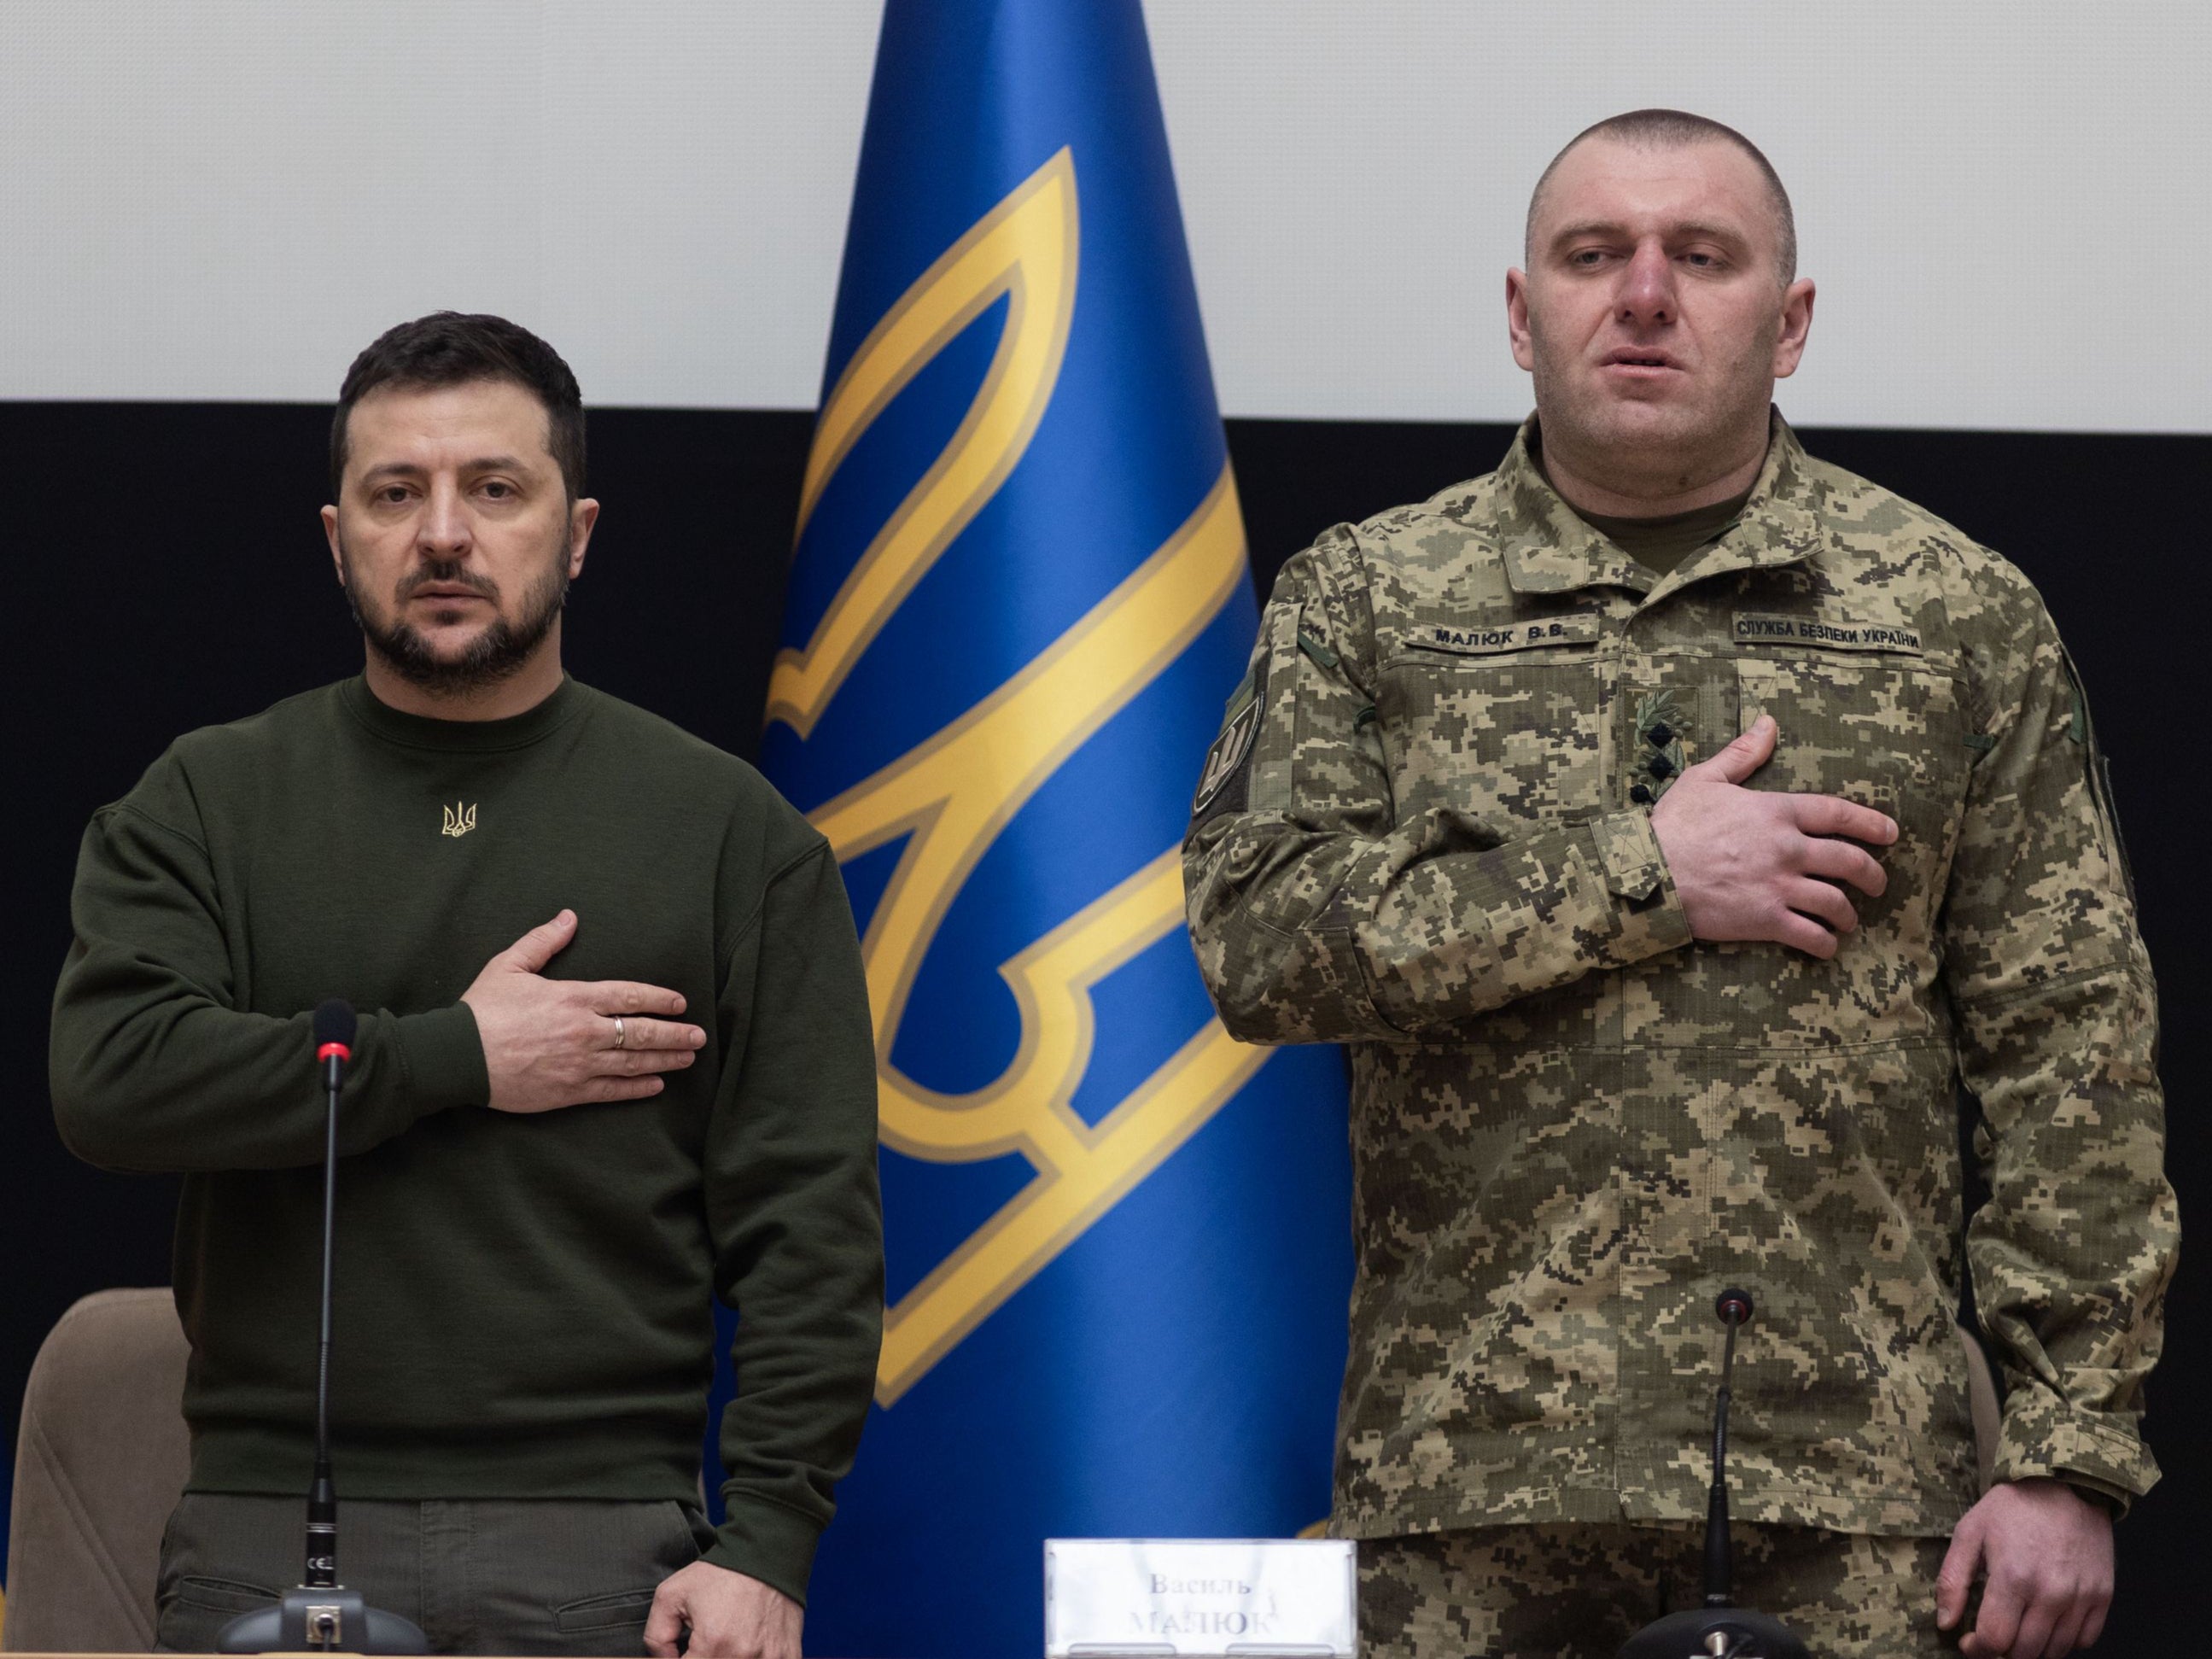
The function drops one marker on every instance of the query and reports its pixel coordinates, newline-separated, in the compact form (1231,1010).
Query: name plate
(1294,1597)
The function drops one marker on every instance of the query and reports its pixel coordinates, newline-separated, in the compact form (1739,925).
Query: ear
(582,517)
(1796,324)
(330,535)
(1516,318)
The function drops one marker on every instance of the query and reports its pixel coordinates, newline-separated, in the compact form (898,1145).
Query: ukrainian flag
(1119,1242)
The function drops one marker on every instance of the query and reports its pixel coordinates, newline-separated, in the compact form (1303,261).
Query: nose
(443,531)
(1647,285)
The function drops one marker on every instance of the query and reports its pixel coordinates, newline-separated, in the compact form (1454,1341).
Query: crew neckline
(1718,513)
(395,725)
(1664,543)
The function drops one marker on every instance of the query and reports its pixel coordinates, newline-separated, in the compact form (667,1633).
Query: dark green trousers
(480,1575)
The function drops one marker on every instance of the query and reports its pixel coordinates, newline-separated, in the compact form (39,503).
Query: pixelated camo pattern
(1579,1592)
(1572,1127)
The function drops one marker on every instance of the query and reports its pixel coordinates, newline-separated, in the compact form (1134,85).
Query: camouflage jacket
(1424,833)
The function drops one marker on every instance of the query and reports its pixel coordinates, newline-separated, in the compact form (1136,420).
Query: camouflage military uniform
(1564,1591)
(1425,832)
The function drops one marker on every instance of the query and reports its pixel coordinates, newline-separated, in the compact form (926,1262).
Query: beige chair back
(99,1463)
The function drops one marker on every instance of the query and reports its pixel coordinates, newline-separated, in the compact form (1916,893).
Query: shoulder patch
(1225,760)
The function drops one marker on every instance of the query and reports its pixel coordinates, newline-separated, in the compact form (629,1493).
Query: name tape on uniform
(1507,636)
(1755,628)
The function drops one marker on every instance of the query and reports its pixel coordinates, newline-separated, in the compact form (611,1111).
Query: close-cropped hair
(1677,129)
(453,348)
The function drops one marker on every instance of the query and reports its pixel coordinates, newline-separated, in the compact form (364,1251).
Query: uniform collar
(1549,548)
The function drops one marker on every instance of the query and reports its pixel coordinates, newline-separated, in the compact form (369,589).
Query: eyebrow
(1614,228)
(481,464)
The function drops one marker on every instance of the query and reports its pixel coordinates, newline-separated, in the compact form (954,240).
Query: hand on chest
(1543,710)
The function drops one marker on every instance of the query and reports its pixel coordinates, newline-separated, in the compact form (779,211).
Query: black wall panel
(164,569)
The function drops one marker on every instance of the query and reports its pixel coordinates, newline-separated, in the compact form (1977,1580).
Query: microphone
(1719,1630)
(1734,1307)
(334,1029)
(321,1615)
(335,1026)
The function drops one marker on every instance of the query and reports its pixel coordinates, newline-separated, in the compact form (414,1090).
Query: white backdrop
(2005,205)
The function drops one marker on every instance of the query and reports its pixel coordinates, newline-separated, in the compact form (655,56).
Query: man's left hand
(730,1616)
(2047,1554)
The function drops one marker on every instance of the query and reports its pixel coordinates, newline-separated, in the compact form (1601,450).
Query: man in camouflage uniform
(1667,821)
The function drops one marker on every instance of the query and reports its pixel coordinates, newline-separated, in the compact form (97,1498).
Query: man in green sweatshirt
(614,1059)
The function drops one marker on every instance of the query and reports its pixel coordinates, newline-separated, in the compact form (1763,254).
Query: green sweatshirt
(522,1302)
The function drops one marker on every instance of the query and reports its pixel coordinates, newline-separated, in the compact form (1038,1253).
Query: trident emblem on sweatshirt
(459,819)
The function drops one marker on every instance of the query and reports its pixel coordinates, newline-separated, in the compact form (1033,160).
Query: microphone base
(1688,1635)
(333,1621)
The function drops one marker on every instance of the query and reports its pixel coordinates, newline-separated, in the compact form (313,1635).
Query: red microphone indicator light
(334,1028)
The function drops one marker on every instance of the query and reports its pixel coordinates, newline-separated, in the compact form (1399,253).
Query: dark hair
(450,348)
(1677,129)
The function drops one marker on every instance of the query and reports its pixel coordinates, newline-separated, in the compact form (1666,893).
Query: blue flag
(1119,1242)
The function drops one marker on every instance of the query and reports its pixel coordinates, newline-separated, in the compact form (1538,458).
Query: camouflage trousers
(1578,1591)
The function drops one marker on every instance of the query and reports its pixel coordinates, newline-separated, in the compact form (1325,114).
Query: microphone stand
(1719,1630)
(1734,1308)
(321,1615)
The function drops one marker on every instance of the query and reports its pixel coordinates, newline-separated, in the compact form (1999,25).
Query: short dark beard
(496,654)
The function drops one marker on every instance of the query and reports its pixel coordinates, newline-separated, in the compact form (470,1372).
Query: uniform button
(1660,735)
(1640,794)
(1660,767)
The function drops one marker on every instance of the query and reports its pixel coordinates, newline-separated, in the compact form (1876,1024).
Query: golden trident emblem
(952,795)
(459,820)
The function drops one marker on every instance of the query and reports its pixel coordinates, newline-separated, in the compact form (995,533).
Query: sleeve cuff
(1649,909)
(2042,1437)
(2110,1497)
(443,1059)
(768,1542)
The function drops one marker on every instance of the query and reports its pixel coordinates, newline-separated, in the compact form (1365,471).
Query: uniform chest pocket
(1883,733)
(1513,738)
